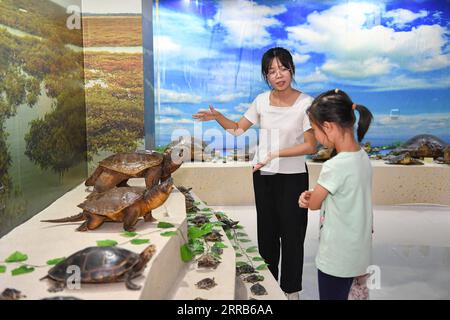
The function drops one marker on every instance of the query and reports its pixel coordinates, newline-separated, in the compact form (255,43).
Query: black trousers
(333,288)
(281,223)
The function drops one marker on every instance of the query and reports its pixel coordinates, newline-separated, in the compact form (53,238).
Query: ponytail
(365,119)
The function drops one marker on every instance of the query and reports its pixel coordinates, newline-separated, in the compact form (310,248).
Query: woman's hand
(270,157)
(303,200)
(206,115)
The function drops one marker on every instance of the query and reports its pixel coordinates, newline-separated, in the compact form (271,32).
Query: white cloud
(316,76)
(300,58)
(227,97)
(178,97)
(355,47)
(170,121)
(242,107)
(401,17)
(170,111)
(246,22)
(165,45)
(408,82)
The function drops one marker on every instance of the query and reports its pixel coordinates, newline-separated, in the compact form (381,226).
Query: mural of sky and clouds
(392,56)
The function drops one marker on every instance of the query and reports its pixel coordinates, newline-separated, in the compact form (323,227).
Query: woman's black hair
(336,106)
(283,55)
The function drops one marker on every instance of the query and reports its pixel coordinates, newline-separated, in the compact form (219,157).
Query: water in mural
(391,56)
(42,109)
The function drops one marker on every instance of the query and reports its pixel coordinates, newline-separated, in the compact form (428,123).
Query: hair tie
(353,106)
(336,90)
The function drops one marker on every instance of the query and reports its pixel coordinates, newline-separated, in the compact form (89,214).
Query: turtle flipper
(131,218)
(129,283)
(148,217)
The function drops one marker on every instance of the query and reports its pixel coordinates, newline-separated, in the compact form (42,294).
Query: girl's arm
(234,128)
(317,196)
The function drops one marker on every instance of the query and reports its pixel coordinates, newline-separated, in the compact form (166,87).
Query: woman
(280,172)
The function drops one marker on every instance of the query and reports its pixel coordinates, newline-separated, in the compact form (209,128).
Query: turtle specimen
(206,284)
(115,170)
(258,290)
(244,268)
(102,265)
(324,154)
(227,223)
(207,261)
(189,200)
(253,278)
(404,158)
(196,148)
(11,294)
(213,236)
(199,220)
(422,145)
(126,204)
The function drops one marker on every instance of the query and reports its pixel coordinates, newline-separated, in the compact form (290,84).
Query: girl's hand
(303,200)
(206,115)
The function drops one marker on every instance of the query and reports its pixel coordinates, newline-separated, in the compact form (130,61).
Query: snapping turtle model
(11,294)
(423,145)
(206,284)
(102,265)
(126,204)
(258,290)
(404,158)
(115,170)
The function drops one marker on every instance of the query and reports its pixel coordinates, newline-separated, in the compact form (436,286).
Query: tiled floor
(411,247)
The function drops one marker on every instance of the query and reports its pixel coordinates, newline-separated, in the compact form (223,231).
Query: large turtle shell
(112,201)
(97,264)
(422,145)
(132,163)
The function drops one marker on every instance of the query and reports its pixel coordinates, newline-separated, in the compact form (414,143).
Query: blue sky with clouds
(385,54)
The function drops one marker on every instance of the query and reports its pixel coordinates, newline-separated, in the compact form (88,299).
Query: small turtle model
(258,290)
(199,220)
(207,261)
(102,265)
(115,170)
(227,223)
(213,236)
(324,154)
(11,294)
(254,278)
(126,204)
(244,268)
(423,145)
(404,159)
(206,284)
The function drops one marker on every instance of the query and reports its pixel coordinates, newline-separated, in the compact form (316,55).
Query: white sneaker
(293,295)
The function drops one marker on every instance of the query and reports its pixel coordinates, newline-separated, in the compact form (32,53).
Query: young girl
(343,194)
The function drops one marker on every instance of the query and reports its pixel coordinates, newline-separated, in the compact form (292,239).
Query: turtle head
(174,158)
(165,187)
(147,254)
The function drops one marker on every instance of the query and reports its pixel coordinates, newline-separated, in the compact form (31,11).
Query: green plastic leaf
(140,241)
(241,234)
(257,259)
(235,247)
(194,233)
(17,257)
(239,227)
(186,253)
(22,270)
(206,209)
(220,245)
(245,240)
(106,243)
(2,269)
(55,261)
(197,203)
(229,235)
(241,263)
(238,254)
(169,233)
(262,267)
(165,225)
(197,246)
(218,224)
(252,249)
(128,234)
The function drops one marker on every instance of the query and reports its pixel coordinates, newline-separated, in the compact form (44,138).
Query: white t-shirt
(280,128)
